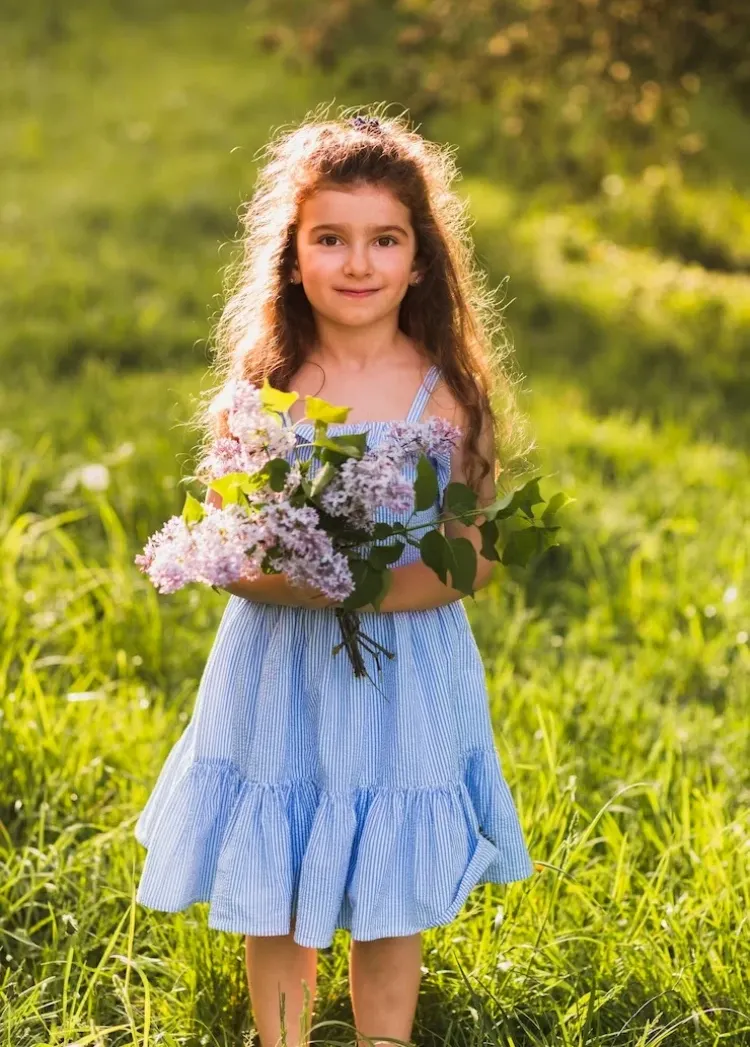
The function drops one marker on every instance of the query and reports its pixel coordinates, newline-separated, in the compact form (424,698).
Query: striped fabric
(300,789)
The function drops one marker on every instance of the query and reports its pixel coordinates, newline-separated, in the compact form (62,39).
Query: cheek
(397,264)
(318,265)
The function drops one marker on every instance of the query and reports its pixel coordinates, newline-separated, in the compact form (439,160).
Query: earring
(415,281)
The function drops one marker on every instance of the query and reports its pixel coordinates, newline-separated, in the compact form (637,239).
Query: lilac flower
(166,556)
(258,431)
(226,455)
(211,550)
(435,438)
(307,552)
(293,479)
(363,485)
(228,545)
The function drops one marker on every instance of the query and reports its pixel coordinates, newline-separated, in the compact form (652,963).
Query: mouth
(364,293)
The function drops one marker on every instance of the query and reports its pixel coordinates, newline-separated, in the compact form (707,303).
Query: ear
(416,275)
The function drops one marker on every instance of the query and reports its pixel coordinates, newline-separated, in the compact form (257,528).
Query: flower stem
(354,639)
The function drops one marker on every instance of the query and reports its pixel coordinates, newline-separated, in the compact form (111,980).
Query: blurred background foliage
(605,148)
(557,88)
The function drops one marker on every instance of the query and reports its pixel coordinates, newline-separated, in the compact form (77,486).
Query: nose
(357,261)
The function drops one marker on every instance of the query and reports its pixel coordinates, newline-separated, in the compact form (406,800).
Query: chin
(355,315)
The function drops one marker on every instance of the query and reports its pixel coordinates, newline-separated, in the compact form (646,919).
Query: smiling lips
(358,294)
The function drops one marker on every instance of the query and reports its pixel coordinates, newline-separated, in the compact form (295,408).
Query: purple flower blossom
(365,484)
(307,552)
(238,542)
(215,550)
(227,455)
(228,545)
(258,434)
(436,438)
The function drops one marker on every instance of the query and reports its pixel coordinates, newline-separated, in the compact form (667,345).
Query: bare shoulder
(443,404)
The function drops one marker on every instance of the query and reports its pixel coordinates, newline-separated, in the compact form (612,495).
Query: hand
(276,589)
(310,597)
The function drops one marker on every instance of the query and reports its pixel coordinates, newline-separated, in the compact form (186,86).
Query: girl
(299,799)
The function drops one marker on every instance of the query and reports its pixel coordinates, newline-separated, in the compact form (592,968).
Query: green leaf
(386,580)
(223,483)
(464,567)
(274,399)
(459,498)
(318,410)
(546,537)
(522,498)
(346,446)
(276,473)
(322,478)
(426,484)
(229,487)
(367,588)
(358,569)
(558,501)
(521,546)
(489,532)
(500,507)
(383,555)
(435,552)
(193,510)
(528,496)
(383,530)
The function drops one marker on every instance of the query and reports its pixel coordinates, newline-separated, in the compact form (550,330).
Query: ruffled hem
(378,861)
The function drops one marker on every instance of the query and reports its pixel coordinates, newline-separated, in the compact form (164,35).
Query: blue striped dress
(298,789)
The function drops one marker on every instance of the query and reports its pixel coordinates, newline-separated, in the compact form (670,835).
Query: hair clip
(367,124)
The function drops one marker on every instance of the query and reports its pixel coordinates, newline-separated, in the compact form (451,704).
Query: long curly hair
(267,327)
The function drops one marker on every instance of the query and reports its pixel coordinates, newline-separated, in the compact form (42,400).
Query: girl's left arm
(415,586)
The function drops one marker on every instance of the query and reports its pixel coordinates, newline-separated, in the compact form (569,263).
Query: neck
(357,350)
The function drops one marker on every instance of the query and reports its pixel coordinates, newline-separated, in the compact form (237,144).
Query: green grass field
(617,674)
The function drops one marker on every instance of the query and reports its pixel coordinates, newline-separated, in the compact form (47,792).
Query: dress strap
(423,394)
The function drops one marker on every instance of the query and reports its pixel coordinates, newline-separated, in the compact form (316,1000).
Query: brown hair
(267,326)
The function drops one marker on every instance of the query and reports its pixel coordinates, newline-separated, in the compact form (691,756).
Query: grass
(618,688)
(617,670)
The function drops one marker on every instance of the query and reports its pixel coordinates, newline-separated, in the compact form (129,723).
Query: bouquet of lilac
(320,530)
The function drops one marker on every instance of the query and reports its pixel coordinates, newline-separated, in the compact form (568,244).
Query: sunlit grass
(617,671)
(664,336)
(618,690)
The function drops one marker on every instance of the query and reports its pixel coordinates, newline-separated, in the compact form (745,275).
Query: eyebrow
(373,228)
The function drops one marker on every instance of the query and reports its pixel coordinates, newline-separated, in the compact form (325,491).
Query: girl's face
(355,254)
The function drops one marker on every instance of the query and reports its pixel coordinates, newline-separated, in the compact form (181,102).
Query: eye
(327,236)
(387,237)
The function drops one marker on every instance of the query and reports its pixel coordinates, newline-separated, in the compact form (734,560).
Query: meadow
(617,671)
